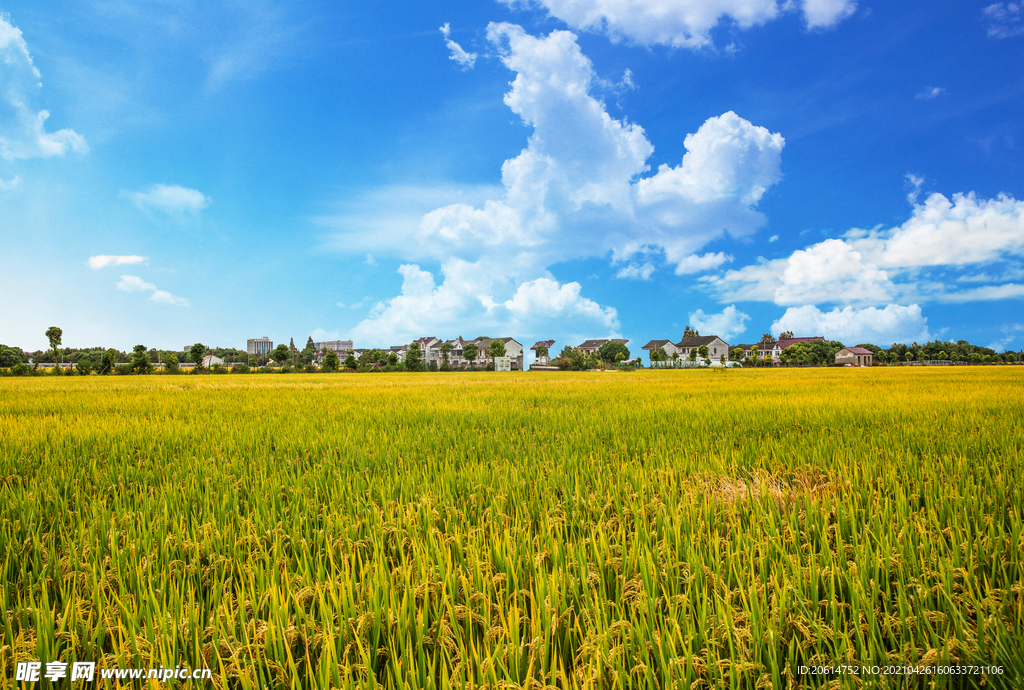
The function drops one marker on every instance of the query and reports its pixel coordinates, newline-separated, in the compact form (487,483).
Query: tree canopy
(613,351)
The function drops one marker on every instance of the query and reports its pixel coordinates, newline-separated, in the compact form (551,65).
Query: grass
(649,529)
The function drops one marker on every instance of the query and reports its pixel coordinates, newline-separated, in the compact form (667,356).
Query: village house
(590,347)
(667,346)
(543,360)
(716,347)
(856,356)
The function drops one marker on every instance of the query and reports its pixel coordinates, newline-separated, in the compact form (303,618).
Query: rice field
(656,529)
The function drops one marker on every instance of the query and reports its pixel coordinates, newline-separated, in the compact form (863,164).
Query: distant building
(543,360)
(857,356)
(667,346)
(716,346)
(592,346)
(257,346)
(342,347)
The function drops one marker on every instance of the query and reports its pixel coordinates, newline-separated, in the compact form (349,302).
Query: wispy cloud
(104,260)
(637,271)
(174,200)
(467,60)
(129,283)
(1004,19)
(930,93)
(24,134)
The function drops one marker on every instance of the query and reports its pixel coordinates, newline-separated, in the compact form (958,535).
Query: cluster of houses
(434,350)
(719,351)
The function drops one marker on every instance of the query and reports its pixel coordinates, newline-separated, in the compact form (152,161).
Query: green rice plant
(575,530)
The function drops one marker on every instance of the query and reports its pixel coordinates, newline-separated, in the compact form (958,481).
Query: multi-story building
(259,346)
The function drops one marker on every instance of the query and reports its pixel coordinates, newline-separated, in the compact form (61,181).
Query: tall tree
(446,348)
(310,345)
(331,361)
(785,335)
(496,349)
(469,353)
(690,332)
(613,351)
(53,334)
(108,361)
(767,339)
(140,360)
(196,354)
(414,357)
(281,354)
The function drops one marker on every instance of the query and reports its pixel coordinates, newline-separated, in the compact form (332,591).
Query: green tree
(310,345)
(690,332)
(414,357)
(108,361)
(281,354)
(53,334)
(350,362)
(171,363)
(446,349)
(469,353)
(83,367)
(658,355)
(785,335)
(704,353)
(542,352)
(9,356)
(496,349)
(573,359)
(613,351)
(196,354)
(307,355)
(693,354)
(332,361)
(140,360)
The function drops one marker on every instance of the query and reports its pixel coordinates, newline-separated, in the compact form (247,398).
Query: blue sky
(173,172)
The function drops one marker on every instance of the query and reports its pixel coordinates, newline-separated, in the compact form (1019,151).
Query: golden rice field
(667,529)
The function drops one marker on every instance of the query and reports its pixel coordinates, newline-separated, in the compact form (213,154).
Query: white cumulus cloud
(874,267)
(580,188)
(832,268)
(727,324)
(174,200)
(823,14)
(129,283)
(545,297)
(892,324)
(682,23)
(104,260)
(23,132)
